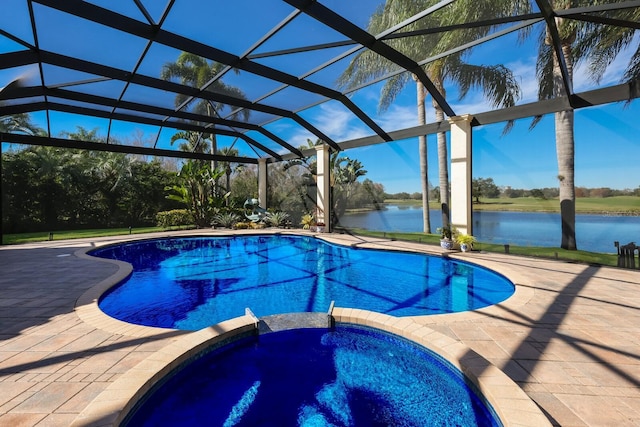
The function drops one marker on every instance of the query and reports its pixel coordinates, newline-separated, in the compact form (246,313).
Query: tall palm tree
(497,82)
(596,45)
(228,167)
(196,71)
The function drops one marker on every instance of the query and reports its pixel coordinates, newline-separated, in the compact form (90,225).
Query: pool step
(283,322)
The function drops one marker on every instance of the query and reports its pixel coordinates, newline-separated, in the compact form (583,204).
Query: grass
(531,251)
(13,239)
(607,205)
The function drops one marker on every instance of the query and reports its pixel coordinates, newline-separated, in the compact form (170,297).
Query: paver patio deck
(570,337)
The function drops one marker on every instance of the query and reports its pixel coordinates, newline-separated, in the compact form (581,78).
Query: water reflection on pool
(191,283)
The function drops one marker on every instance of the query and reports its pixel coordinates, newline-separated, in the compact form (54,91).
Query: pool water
(313,377)
(191,283)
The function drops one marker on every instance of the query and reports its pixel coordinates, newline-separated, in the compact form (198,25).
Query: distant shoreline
(610,206)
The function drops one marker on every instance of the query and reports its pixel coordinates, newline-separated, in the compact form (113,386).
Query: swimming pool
(347,376)
(191,283)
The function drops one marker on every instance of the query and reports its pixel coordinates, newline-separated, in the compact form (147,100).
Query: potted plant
(465,241)
(307,221)
(447,236)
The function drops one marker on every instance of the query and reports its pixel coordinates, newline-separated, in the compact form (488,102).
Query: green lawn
(613,205)
(533,251)
(12,239)
(617,204)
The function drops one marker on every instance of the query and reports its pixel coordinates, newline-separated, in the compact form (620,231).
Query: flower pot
(446,244)
(464,247)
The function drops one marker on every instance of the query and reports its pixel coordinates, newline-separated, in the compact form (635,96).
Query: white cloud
(399,117)
(335,121)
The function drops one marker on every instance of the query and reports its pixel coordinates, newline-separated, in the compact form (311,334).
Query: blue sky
(607,146)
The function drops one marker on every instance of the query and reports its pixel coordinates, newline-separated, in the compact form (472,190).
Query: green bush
(174,218)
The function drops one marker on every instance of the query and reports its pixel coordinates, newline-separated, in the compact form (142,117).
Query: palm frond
(544,71)
(632,73)
(497,82)
(391,90)
(535,122)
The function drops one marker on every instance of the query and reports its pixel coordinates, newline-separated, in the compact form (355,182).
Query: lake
(594,233)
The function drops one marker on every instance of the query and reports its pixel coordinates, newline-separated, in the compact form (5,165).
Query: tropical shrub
(174,218)
(276,219)
(226,219)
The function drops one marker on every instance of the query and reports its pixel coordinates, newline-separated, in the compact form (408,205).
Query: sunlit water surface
(191,283)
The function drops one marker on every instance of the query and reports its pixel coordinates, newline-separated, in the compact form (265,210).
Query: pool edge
(111,407)
(508,400)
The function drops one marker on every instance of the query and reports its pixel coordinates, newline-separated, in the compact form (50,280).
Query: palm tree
(51,165)
(19,123)
(193,141)
(194,190)
(110,169)
(196,71)
(344,173)
(598,45)
(497,82)
(228,168)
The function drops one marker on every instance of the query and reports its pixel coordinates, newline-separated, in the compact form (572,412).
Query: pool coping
(508,400)
(511,403)
(111,407)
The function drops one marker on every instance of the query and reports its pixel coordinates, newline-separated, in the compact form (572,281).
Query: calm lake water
(595,233)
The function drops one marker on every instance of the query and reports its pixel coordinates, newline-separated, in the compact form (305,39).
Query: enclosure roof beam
(117,148)
(619,93)
(556,43)
(331,19)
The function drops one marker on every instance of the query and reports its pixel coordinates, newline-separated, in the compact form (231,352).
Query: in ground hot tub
(347,376)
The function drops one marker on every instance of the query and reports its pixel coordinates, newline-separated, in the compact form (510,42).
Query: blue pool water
(311,377)
(191,283)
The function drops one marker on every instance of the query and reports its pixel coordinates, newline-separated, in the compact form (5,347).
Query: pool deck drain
(570,336)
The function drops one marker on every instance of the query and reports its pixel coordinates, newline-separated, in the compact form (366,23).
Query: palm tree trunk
(565,152)
(443,169)
(214,150)
(424,165)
